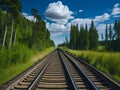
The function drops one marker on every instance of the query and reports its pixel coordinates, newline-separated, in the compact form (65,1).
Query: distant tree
(93,37)
(110,37)
(102,37)
(86,37)
(71,44)
(116,36)
(110,32)
(34,13)
(117,29)
(82,37)
(76,35)
(66,41)
(106,36)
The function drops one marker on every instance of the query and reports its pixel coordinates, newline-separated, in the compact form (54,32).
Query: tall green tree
(102,37)
(82,37)
(15,11)
(71,45)
(117,29)
(110,32)
(5,5)
(93,37)
(66,41)
(110,37)
(106,36)
(116,41)
(13,7)
(86,37)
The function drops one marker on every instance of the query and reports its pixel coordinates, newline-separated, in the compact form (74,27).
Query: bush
(18,54)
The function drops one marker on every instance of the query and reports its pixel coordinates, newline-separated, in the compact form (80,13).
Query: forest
(20,37)
(87,38)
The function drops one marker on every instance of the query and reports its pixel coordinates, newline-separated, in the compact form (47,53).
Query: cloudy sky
(59,15)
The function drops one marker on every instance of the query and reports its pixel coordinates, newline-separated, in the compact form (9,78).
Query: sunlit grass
(14,70)
(108,62)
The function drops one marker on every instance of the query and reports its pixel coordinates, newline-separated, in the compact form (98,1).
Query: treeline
(87,39)
(112,37)
(20,36)
(82,39)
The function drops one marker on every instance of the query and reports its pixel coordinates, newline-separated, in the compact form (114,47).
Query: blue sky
(59,15)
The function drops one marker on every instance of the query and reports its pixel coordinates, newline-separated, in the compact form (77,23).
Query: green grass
(12,71)
(101,48)
(107,62)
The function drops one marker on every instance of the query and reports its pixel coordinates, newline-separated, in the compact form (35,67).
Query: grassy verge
(107,62)
(8,73)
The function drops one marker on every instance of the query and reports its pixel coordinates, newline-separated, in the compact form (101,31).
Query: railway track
(60,70)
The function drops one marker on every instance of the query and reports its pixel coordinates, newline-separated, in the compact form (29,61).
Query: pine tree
(93,37)
(106,36)
(110,37)
(102,37)
(110,32)
(71,45)
(66,41)
(117,29)
(81,38)
(86,37)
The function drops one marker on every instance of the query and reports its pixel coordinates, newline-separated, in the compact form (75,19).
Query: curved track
(60,70)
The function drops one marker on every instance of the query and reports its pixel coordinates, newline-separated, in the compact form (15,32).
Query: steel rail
(69,73)
(83,73)
(32,86)
(112,83)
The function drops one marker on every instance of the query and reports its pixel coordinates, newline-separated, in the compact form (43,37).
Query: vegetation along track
(60,70)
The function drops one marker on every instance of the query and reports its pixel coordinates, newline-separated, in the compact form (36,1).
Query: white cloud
(102,18)
(57,29)
(101,30)
(116,16)
(116,9)
(80,10)
(29,17)
(58,12)
(116,5)
(80,21)
(101,27)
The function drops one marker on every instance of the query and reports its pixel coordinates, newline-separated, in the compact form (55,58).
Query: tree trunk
(5,34)
(11,33)
(15,37)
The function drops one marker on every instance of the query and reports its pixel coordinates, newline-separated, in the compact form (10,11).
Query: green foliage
(83,39)
(112,37)
(74,34)
(93,37)
(27,36)
(15,69)
(19,54)
(117,29)
(19,40)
